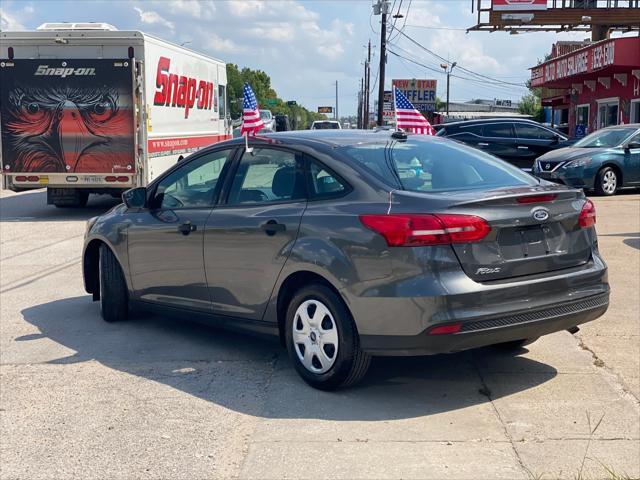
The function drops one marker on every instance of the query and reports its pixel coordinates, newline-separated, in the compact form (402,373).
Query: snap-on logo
(64,71)
(181,91)
(486,271)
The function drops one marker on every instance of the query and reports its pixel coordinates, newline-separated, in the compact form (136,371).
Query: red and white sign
(518,5)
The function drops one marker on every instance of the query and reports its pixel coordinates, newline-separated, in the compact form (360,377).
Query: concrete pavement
(161,398)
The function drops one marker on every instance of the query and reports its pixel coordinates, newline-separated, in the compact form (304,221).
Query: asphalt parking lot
(160,398)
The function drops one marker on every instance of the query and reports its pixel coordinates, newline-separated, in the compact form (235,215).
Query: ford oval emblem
(541,214)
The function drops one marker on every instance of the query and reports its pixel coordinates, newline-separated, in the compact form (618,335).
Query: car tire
(114,297)
(516,344)
(324,345)
(607,182)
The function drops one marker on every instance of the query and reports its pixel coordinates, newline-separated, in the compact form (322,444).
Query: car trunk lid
(533,229)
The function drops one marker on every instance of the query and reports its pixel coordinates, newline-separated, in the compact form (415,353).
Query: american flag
(251,121)
(408,118)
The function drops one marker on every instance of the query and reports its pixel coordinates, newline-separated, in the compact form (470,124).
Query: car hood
(570,153)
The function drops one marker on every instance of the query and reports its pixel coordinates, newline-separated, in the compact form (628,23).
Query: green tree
(261,84)
(530,104)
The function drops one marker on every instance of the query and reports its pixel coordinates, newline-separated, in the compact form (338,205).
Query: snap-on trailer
(86,108)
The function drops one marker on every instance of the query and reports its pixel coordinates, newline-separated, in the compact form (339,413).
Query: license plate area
(525,242)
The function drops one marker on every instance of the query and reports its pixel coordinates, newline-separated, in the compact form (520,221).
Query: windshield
(265,114)
(436,165)
(605,138)
(325,125)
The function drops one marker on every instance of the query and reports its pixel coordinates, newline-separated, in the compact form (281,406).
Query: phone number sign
(421,93)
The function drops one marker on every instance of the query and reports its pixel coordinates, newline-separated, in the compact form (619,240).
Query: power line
(471,72)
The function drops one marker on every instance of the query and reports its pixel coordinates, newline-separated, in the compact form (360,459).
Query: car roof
(490,120)
(627,125)
(331,138)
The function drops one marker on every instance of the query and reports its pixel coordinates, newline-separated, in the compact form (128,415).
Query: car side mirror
(135,197)
(632,145)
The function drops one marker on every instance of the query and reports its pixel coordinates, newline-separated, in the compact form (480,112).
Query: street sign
(421,93)
(272,102)
(325,109)
(387,106)
(292,103)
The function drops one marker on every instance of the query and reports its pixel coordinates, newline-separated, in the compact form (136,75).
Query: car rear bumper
(491,329)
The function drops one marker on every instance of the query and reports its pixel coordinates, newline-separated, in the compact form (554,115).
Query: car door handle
(523,147)
(483,144)
(187,227)
(272,227)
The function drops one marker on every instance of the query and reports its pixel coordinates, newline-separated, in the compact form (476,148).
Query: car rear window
(326,126)
(436,165)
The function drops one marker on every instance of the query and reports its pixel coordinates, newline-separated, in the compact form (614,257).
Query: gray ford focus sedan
(350,244)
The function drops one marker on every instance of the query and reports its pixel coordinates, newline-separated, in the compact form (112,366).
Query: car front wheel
(606,181)
(322,339)
(114,298)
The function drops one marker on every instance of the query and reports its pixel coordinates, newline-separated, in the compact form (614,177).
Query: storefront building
(598,85)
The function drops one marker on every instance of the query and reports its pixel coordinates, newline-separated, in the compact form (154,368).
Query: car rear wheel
(114,298)
(606,181)
(322,339)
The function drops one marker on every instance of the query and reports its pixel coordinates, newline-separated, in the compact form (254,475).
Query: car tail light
(110,178)
(445,329)
(20,178)
(410,230)
(33,178)
(537,198)
(123,179)
(587,215)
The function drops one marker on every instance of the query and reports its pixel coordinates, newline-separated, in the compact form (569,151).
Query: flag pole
(395,109)
(247,149)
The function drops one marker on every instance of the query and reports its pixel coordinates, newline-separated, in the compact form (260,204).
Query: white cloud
(218,44)
(246,9)
(204,9)
(153,18)
(9,22)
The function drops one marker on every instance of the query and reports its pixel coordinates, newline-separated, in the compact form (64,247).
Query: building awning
(605,58)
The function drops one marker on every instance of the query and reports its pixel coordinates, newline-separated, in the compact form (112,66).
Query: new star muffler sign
(518,5)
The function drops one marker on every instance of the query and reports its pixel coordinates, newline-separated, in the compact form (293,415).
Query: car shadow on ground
(32,207)
(630,239)
(208,362)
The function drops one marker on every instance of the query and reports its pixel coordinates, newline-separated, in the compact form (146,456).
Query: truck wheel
(114,298)
(606,181)
(322,339)
(77,200)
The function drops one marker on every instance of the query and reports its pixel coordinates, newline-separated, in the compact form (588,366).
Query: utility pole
(382,7)
(336,100)
(367,79)
(361,104)
(448,71)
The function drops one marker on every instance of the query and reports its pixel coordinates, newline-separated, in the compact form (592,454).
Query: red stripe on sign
(179,143)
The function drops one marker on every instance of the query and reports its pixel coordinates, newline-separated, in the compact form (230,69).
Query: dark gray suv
(348,244)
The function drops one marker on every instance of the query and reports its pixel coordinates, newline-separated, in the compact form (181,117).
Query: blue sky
(305,46)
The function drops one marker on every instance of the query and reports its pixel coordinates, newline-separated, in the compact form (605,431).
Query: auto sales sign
(518,5)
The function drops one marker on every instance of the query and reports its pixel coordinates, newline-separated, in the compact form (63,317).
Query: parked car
(604,161)
(518,141)
(326,125)
(352,244)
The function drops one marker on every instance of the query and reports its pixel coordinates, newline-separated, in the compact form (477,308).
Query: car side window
(267,175)
(323,183)
(472,129)
(193,185)
(504,130)
(524,130)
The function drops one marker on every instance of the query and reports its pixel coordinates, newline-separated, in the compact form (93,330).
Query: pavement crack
(486,391)
(598,362)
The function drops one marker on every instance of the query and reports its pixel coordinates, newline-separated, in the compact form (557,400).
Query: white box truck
(85,108)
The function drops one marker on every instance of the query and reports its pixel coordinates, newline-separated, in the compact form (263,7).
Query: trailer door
(70,119)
